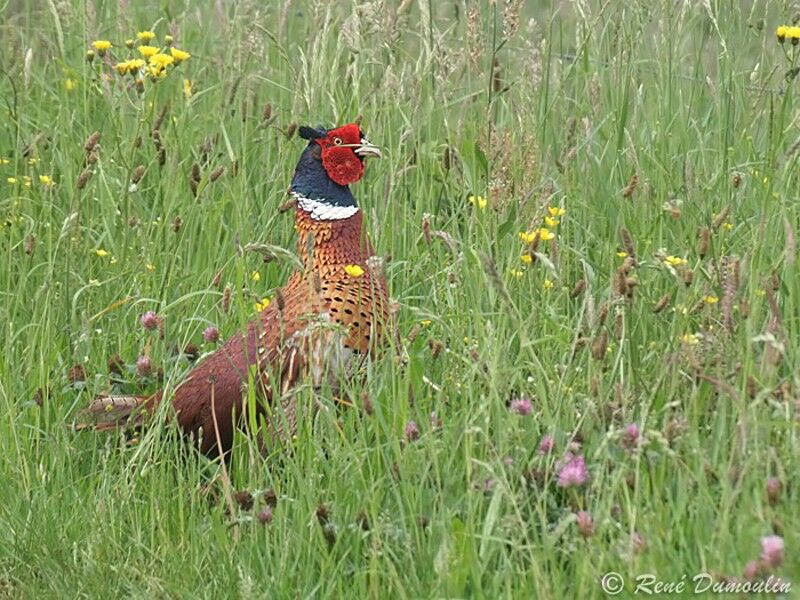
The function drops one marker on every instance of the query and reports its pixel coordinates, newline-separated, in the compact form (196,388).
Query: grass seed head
(137,174)
(629,189)
(92,141)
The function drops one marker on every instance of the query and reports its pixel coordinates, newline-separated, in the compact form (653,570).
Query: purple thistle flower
(585,523)
(773,490)
(411,431)
(772,550)
(265,515)
(546,445)
(150,320)
(211,334)
(143,365)
(521,406)
(573,473)
(630,436)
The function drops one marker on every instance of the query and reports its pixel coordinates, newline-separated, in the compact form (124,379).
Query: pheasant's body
(322,328)
(328,316)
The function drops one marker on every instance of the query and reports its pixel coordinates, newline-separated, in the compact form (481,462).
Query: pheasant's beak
(365,149)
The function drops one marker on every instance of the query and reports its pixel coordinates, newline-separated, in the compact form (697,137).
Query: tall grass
(667,132)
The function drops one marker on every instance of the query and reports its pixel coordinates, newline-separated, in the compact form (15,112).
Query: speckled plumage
(326,318)
(319,321)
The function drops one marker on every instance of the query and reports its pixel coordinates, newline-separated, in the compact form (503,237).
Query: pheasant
(329,316)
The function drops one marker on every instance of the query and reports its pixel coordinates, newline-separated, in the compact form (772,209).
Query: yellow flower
(101,253)
(550,222)
(781,32)
(548,284)
(150,267)
(187,88)
(129,43)
(545,234)
(179,55)
(556,211)
(710,299)
(262,305)
(526,258)
(622,254)
(101,46)
(674,261)
(46,180)
(161,60)
(11,180)
(727,226)
(69,84)
(527,237)
(148,51)
(690,339)
(129,66)
(426,322)
(26,181)
(33,160)
(478,201)
(354,270)
(255,276)
(156,72)
(517,273)
(145,36)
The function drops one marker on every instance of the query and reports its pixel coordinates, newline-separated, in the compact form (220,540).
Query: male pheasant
(326,316)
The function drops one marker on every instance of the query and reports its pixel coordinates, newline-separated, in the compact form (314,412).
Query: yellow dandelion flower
(354,270)
(526,259)
(548,284)
(690,339)
(148,51)
(150,267)
(161,60)
(545,234)
(179,55)
(69,84)
(187,88)
(675,261)
(710,299)
(122,67)
(262,305)
(101,46)
(255,276)
(145,36)
(622,254)
(46,180)
(551,222)
(426,322)
(781,32)
(11,180)
(556,211)
(156,72)
(101,253)
(478,201)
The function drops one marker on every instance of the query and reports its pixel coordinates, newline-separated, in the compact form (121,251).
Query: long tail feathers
(107,413)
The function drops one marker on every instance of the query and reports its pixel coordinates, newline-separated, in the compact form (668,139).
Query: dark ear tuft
(309,133)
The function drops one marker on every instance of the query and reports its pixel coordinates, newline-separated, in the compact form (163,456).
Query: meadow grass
(668,298)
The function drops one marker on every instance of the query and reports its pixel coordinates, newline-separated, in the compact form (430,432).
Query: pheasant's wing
(275,347)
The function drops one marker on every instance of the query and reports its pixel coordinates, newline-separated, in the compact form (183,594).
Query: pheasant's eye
(337,141)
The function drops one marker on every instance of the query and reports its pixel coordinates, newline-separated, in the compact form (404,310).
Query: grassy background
(561,109)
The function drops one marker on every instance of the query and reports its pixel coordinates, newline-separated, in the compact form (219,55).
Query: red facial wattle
(339,158)
(342,164)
